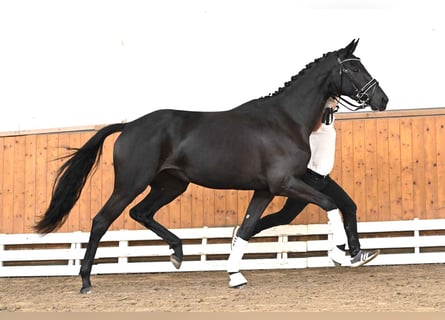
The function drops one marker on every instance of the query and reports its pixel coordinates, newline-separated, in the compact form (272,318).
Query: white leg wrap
(236,280)
(238,248)
(338,230)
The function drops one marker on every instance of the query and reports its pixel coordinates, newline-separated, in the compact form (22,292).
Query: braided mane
(297,76)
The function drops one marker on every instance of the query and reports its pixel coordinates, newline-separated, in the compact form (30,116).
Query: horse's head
(353,80)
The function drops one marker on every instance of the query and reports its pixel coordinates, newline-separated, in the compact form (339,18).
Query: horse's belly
(235,184)
(228,177)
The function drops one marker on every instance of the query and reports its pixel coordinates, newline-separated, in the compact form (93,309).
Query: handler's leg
(348,208)
(307,191)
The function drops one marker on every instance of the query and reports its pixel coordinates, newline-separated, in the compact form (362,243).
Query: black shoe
(363,257)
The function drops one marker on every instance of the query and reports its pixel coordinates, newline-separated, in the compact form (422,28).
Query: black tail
(71,178)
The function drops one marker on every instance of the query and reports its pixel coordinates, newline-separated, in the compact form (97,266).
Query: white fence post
(203,245)
(123,244)
(416,236)
(2,248)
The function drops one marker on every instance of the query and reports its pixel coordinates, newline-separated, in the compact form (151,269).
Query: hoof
(237,280)
(176,262)
(85,290)
(239,286)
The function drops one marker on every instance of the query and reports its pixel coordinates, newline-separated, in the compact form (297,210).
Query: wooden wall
(391,163)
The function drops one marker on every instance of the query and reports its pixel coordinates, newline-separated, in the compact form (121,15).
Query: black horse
(262,145)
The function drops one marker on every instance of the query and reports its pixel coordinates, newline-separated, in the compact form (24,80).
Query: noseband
(361,95)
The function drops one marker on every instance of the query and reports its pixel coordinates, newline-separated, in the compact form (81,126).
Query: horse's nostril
(383,103)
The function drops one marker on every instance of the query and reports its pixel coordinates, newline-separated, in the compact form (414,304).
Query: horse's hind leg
(164,189)
(101,222)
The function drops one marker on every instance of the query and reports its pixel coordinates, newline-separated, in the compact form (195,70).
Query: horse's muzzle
(383,103)
(379,103)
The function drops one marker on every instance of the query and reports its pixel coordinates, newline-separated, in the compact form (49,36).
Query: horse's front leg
(257,205)
(296,188)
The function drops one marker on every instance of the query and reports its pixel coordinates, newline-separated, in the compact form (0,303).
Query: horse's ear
(350,48)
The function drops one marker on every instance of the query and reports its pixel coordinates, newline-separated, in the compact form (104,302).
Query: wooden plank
(41,176)
(440,167)
(19,185)
(395,170)
(197,206)
(371,171)
(440,152)
(406,161)
(430,178)
(209,207)
(30,183)
(383,189)
(2,191)
(231,215)
(359,168)
(418,153)
(220,208)
(311,213)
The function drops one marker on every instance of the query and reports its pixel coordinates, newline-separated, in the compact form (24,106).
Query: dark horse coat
(262,145)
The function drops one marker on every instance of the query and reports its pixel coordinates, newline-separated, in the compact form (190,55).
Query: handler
(322,144)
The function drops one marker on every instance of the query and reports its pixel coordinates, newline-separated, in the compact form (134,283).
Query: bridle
(361,95)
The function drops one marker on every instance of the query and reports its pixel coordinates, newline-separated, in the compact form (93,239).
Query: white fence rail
(206,249)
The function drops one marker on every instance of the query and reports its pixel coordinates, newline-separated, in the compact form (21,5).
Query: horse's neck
(305,103)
